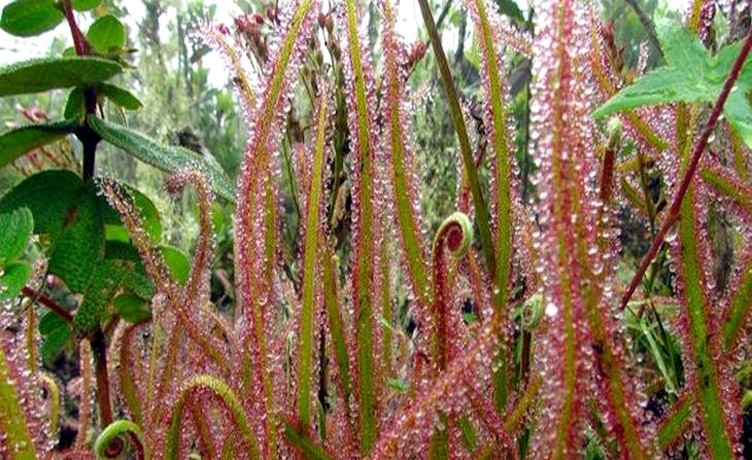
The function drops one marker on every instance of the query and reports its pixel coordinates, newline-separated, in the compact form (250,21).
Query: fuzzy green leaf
(15,230)
(120,96)
(106,35)
(114,229)
(75,106)
(85,5)
(104,284)
(44,74)
(12,279)
(35,192)
(17,142)
(79,248)
(691,75)
(177,262)
(170,159)
(27,18)
(56,333)
(132,308)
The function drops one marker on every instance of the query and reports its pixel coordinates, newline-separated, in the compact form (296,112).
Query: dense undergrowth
(588,297)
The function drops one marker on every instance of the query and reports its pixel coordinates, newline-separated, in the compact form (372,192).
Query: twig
(673,211)
(647,23)
(443,14)
(47,302)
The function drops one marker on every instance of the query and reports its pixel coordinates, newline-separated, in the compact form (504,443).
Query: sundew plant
(588,296)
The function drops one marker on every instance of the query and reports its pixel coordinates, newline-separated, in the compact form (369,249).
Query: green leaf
(137,282)
(310,284)
(170,159)
(120,96)
(114,229)
(177,262)
(13,278)
(691,75)
(105,283)
(85,5)
(106,35)
(511,9)
(56,332)
(17,142)
(15,230)
(75,106)
(44,74)
(132,308)
(35,192)
(79,249)
(26,18)
(51,321)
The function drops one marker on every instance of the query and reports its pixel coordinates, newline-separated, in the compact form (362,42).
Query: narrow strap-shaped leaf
(166,158)
(676,423)
(304,444)
(313,211)
(125,374)
(502,154)
(363,146)
(336,326)
(397,148)
(577,332)
(53,397)
(740,306)
(220,41)
(253,184)
(17,142)
(728,186)
(16,442)
(707,374)
(229,401)
(452,239)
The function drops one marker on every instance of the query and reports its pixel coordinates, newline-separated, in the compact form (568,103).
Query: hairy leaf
(17,142)
(27,18)
(691,75)
(85,5)
(106,35)
(170,159)
(120,96)
(75,105)
(363,146)
(16,436)
(15,230)
(313,212)
(44,74)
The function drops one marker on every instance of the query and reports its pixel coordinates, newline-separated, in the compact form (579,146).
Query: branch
(647,23)
(673,212)
(47,302)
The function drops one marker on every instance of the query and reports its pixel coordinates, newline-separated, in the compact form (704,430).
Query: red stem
(47,302)
(673,212)
(79,40)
